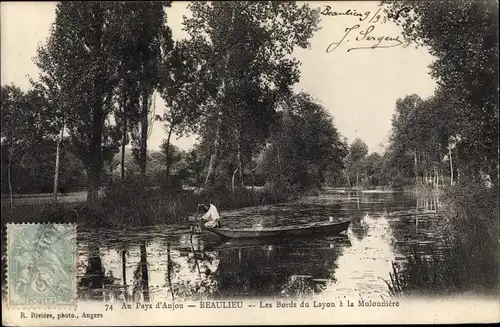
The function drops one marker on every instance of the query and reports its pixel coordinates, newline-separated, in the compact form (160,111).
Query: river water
(164,263)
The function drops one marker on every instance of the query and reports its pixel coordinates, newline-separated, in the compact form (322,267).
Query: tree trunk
(253,179)
(436,177)
(451,165)
(457,166)
(278,157)
(217,138)
(95,164)
(240,163)
(144,133)
(213,156)
(494,174)
(125,121)
(9,176)
(232,179)
(95,144)
(56,173)
(357,179)
(167,153)
(124,141)
(416,166)
(497,170)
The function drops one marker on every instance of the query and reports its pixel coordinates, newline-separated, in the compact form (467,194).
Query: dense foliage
(304,148)
(464,110)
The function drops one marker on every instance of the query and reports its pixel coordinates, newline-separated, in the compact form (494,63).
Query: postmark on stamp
(41,269)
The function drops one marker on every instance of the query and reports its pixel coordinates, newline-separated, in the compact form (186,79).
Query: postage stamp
(41,270)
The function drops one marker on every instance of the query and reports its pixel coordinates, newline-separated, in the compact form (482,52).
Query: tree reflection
(95,284)
(141,278)
(300,286)
(124,273)
(428,203)
(170,266)
(295,267)
(190,273)
(358,226)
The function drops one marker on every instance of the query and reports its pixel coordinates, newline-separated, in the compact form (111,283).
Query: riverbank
(132,204)
(468,258)
(418,189)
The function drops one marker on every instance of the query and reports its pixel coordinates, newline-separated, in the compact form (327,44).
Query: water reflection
(195,269)
(281,268)
(167,263)
(364,267)
(428,203)
(95,282)
(141,277)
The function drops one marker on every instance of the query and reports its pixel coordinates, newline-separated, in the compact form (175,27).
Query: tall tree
(466,69)
(79,58)
(153,42)
(183,94)
(244,43)
(13,126)
(49,89)
(305,147)
(374,165)
(127,93)
(403,129)
(27,120)
(355,159)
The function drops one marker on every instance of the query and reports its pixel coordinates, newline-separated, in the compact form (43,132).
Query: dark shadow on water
(277,268)
(96,284)
(141,279)
(358,227)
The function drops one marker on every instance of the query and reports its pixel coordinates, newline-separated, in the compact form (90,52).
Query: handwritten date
(367,16)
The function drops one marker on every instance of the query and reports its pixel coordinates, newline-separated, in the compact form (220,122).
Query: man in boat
(211,215)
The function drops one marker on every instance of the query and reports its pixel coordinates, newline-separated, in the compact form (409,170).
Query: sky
(358,87)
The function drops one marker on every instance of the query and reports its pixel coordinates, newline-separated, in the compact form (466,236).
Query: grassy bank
(133,203)
(468,259)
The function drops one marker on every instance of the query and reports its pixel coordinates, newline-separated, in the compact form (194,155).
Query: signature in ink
(365,36)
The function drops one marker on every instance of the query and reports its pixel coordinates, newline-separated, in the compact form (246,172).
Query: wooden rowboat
(294,230)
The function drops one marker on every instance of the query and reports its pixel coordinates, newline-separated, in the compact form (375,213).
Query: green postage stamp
(41,265)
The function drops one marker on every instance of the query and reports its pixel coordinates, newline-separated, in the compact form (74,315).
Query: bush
(136,202)
(401,183)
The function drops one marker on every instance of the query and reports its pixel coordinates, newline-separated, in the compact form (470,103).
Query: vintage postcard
(249,162)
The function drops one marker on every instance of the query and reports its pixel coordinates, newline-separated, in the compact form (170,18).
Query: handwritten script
(364,34)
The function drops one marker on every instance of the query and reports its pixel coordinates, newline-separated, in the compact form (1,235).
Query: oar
(192,231)
(193,227)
